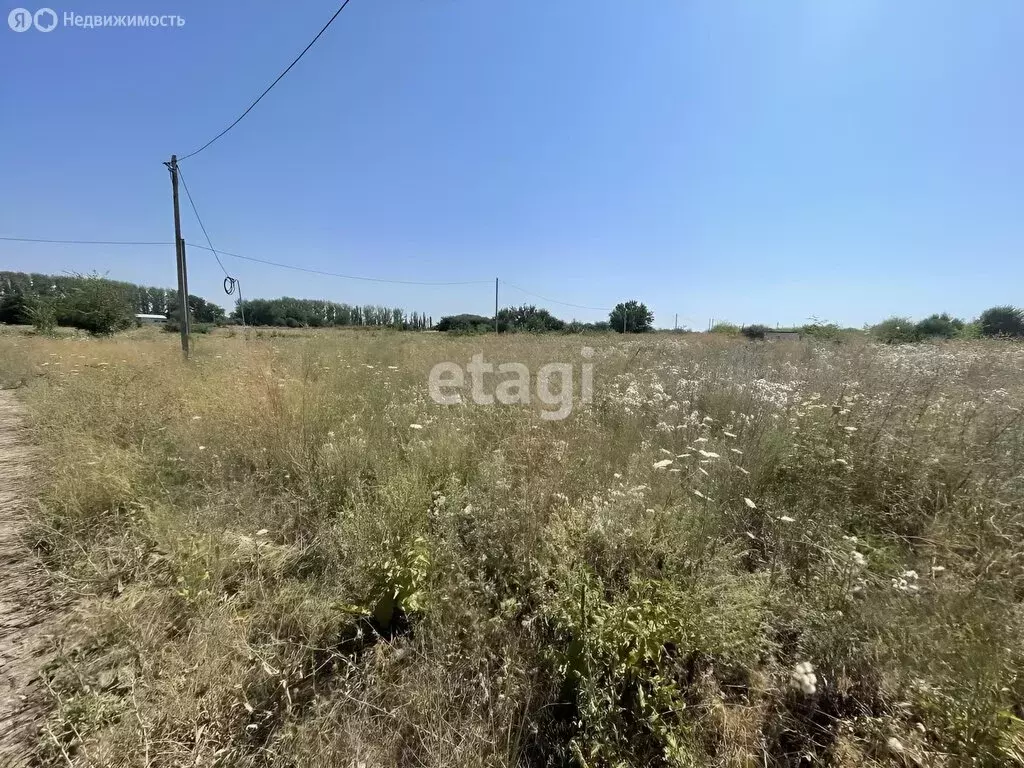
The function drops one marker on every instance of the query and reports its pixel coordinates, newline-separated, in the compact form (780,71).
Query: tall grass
(273,567)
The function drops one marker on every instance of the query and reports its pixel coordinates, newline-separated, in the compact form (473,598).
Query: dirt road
(25,610)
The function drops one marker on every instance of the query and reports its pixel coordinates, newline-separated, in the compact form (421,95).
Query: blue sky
(751,161)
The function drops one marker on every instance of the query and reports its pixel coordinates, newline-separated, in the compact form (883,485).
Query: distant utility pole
(179,251)
(496,305)
(675,327)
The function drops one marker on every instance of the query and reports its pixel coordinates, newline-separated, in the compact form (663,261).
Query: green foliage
(896,330)
(303,313)
(528,318)
(631,317)
(96,305)
(465,324)
(823,331)
(1002,321)
(969,331)
(726,329)
(755,331)
(42,313)
(939,326)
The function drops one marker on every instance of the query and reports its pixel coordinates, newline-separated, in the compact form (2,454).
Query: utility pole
(675,327)
(179,251)
(496,305)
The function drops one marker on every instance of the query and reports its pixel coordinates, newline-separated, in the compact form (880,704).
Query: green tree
(896,330)
(528,318)
(755,331)
(727,329)
(939,326)
(1002,321)
(96,305)
(631,317)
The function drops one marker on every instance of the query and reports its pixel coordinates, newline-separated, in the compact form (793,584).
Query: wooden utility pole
(496,305)
(179,251)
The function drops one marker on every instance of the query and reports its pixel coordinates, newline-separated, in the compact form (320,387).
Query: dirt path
(24,597)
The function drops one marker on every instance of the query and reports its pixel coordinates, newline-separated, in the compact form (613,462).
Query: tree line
(312,313)
(626,317)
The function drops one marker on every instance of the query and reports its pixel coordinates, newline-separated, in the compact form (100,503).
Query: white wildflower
(728,434)
(749,502)
(202,447)
(709,454)
(851,430)
(786,519)
(662,464)
(803,678)
(415,426)
(262,532)
(737,451)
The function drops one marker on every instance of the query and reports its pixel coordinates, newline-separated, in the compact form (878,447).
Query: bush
(1002,321)
(755,331)
(96,305)
(896,330)
(939,326)
(726,329)
(465,324)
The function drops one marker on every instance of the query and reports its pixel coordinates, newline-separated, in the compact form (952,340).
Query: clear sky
(751,161)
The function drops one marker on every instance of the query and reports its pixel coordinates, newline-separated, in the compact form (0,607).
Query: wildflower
(701,495)
(737,451)
(858,559)
(392,367)
(415,426)
(803,678)
(202,447)
(262,532)
(786,519)
(709,454)
(749,503)
(196,418)
(617,475)
(851,430)
(937,569)
(675,471)
(728,434)
(662,464)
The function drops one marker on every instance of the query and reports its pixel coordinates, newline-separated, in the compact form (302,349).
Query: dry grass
(273,568)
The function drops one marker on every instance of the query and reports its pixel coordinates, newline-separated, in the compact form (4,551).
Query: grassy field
(284,553)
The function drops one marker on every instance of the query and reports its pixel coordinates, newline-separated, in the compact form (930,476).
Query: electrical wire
(80,242)
(343,276)
(270,87)
(555,301)
(229,281)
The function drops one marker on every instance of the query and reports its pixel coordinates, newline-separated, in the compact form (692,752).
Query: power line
(555,301)
(338,274)
(245,258)
(230,283)
(201,225)
(270,87)
(80,242)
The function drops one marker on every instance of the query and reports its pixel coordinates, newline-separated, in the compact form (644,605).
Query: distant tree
(1002,321)
(465,324)
(939,326)
(755,331)
(631,317)
(528,318)
(896,330)
(824,331)
(727,329)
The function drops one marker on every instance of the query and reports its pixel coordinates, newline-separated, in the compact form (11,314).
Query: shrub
(896,330)
(1002,321)
(939,326)
(96,305)
(755,331)
(726,329)
(465,324)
